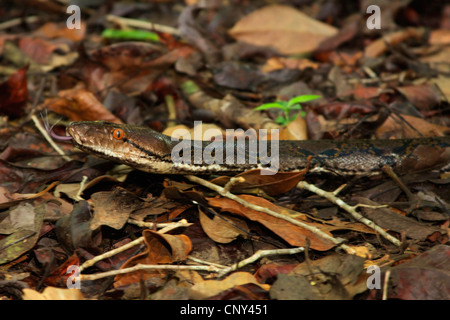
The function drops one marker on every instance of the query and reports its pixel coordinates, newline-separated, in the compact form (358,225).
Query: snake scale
(147,150)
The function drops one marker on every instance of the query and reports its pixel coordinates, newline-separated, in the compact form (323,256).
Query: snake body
(150,151)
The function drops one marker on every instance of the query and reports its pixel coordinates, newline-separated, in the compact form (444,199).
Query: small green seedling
(287,107)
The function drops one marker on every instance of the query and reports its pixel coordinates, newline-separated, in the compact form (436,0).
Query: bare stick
(147,267)
(210,267)
(14,22)
(133,23)
(352,210)
(91,262)
(258,255)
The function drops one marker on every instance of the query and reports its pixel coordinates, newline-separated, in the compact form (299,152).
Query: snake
(148,150)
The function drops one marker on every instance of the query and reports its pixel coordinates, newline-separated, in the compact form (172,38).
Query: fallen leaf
(58,30)
(390,220)
(160,249)
(288,30)
(78,104)
(210,288)
(14,94)
(22,239)
(381,45)
(425,277)
(113,209)
(393,128)
(222,229)
(292,234)
(253,181)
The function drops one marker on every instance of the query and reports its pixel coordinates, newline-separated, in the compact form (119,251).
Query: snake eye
(118,134)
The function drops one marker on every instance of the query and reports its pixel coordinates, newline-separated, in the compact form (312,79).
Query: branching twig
(210,267)
(258,255)
(296,222)
(350,209)
(91,262)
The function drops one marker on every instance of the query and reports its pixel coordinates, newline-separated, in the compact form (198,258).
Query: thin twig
(258,255)
(139,267)
(210,267)
(350,209)
(167,228)
(133,23)
(14,22)
(296,222)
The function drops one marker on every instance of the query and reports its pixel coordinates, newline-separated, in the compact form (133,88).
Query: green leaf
(296,107)
(304,98)
(130,35)
(293,117)
(269,106)
(281,120)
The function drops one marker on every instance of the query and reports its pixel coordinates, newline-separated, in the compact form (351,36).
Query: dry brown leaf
(288,30)
(296,130)
(444,84)
(393,128)
(380,46)
(222,230)
(161,249)
(210,288)
(277,63)
(58,30)
(292,234)
(78,104)
(440,36)
(113,209)
(271,185)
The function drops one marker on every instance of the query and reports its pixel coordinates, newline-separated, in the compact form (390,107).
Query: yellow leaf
(210,288)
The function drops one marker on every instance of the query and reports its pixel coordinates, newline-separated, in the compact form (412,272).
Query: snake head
(133,145)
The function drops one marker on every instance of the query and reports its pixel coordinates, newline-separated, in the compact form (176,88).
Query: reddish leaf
(161,249)
(294,235)
(14,94)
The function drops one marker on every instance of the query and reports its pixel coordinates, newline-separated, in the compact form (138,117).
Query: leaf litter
(136,235)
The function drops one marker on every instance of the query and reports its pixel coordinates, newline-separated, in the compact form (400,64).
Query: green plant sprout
(287,107)
(138,35)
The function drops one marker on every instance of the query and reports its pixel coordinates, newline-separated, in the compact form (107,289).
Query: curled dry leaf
(222,229)
(285,28)
(160,249)
(292,234)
